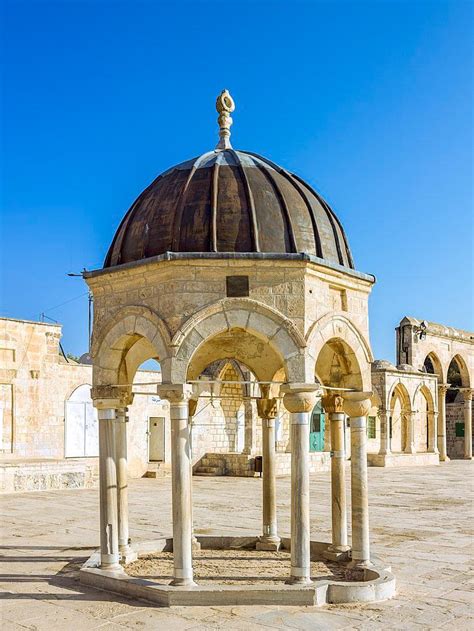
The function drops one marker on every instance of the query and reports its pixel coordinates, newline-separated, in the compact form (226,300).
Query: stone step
(209,461)
(208,474)
(214,470)
(157,470)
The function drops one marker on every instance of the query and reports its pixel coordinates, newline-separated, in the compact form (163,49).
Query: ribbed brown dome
(229,201)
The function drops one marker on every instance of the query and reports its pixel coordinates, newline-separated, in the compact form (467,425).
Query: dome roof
(229,201)
(382,364)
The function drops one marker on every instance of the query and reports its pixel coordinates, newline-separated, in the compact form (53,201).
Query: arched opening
(337,367)
(223,409)
(425,430)
(457,378)
(399,410)
(81,430)
(432,366)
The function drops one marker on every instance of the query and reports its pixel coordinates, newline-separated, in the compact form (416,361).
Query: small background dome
(382,364)
(407,368)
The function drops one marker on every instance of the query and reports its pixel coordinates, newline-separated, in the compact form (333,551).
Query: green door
(316,429)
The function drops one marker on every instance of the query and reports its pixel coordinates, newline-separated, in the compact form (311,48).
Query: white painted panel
(82,394)
(92,430)
(156,439)
(75,428)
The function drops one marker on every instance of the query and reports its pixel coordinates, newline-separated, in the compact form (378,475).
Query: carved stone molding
(333,403)
(175,392)
(443,388)
(300,397)
(267,408)
(357,403)
(111,396)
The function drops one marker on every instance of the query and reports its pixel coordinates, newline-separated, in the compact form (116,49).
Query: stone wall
(455,414)
(35,383)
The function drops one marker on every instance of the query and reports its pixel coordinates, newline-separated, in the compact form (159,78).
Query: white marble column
(178,396)
(267,410)
(192,406)
(122,480)
(109,548)
(299,399)
(467,396)
(250,433)
(385,443)
(357,405)
(432,432)
(442,389)
(409,418)
(333,406)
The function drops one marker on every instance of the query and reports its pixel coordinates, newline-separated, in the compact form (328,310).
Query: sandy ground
(230,567)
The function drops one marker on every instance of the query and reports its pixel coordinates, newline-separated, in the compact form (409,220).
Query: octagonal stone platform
(379,583)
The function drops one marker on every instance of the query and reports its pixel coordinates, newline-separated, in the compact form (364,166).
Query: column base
(337,553)
(183,582)
(110,563)
(444,458)
(357,570)
(467,457)
(298,580)
(271,544)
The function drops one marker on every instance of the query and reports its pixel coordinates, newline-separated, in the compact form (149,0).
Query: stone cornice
(243,256)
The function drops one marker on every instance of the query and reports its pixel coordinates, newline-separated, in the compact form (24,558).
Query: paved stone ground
(421,521)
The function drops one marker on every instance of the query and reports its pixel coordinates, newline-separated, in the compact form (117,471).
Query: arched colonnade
(269,344)
(453,376)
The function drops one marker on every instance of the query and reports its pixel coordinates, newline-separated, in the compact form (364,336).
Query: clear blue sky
(369,101)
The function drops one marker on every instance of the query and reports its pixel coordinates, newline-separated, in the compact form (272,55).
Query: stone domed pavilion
(229,256)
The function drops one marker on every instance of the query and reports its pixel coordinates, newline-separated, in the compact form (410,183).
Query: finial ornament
(224,105)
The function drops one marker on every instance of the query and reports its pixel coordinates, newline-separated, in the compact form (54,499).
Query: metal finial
(224,105)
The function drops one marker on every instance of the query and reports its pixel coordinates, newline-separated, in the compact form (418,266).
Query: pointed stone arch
(127,339)
(336,326)
(438,368)
(231,324)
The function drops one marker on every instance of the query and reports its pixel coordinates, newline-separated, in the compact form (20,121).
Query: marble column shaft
(333,406)
(385,442)
(122,479)
(432,432)
(299,400)
(442,390)
(357,406)
(409,418)
(109,547)
(178,396)
(467,395)
(267,410)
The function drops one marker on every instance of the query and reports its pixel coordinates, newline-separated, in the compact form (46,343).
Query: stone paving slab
(421,522)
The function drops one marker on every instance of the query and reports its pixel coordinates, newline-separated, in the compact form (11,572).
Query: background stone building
(49,426)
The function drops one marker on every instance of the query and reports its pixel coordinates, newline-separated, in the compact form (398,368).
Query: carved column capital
(467,394)
(267,408)
(111,396)
(175,392)
(300,397)
(192,405)
(333,403)
(443,388)
(357,403)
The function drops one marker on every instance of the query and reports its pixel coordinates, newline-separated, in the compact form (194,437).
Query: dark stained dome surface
(229,201)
